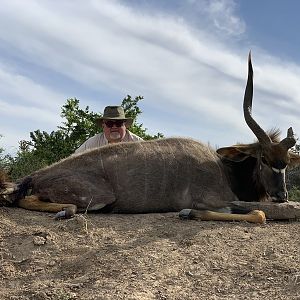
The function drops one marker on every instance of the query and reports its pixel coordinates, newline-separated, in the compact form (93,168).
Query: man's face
(114,130)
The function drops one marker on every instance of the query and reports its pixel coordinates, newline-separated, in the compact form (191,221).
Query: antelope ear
(237,153)
(294,159)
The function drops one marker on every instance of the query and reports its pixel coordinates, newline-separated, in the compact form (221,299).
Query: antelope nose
(281,197)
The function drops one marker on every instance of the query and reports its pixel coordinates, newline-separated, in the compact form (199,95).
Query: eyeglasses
(117,123)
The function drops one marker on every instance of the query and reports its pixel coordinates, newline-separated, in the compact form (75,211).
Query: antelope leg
(34,203)
(255,216)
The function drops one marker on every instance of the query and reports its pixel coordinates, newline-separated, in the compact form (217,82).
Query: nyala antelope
(166,175)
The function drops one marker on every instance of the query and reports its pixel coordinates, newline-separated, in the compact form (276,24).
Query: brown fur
(152,176)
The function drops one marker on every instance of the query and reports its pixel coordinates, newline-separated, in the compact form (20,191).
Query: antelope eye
(279,165)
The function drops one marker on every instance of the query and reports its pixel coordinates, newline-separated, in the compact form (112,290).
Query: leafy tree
(3,167)
(24,163)
(133,111)
(1,154)
(79,124)
(4,159)
(296,149)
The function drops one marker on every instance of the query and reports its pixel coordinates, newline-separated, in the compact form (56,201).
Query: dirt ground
(154,256)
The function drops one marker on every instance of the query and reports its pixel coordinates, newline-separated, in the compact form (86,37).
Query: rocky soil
(153,256)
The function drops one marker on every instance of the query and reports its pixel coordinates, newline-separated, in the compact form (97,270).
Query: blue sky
(187,58)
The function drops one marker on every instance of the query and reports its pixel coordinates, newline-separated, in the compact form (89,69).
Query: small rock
(189,273)
(39,240)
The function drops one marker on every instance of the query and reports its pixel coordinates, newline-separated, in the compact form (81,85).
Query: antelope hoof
(185,214)
(60,215)
(258,216)
(67,213)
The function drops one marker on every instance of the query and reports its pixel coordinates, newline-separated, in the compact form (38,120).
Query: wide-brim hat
(114,113)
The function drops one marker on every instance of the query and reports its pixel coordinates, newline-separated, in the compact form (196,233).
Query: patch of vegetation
(294,193)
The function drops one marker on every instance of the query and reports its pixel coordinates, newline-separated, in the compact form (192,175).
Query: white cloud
(28,112)
(107,46)
(220,16)
(222,12)
(16,86)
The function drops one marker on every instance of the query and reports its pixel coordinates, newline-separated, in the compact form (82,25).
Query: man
(114,124)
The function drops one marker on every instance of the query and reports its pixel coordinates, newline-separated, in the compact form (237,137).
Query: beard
(115,135)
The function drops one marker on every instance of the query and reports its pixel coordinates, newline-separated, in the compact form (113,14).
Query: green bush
(294,193)
(5,160)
